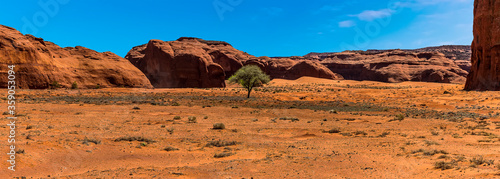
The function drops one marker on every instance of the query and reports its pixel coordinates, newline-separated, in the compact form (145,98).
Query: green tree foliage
(249,77)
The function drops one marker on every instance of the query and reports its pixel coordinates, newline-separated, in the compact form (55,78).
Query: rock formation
(41,64)
(292,68)
(193,62)
(461,54)
(185,63)
(485,72)
(392,66)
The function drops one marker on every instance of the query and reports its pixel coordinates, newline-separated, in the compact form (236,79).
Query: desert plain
(304,128)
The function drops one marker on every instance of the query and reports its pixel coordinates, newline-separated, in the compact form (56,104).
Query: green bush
(74,85)
(55,85)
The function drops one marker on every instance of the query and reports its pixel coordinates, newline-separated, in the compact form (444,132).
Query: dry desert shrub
(429,143)
(223,154)
(192,119)
(480,160)
(333,130)
(220,143)
(86,141)
(169,149)
(399,117)
(384,134)
(219,126)
(130,139)
(170,130)
(429,152)
(293,119)
(74,85)
(444,165)
(360,133)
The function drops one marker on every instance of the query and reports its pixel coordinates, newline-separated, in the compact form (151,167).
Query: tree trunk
(249,91)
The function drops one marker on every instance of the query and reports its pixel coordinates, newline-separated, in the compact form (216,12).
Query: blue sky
(261,28)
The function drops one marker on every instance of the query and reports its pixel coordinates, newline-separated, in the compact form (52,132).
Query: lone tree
(249,77)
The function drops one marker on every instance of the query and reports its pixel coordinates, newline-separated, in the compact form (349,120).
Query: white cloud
(370,15)
(347,24)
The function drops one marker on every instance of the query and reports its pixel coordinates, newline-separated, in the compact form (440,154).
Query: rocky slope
(392,66)
(41,64)
(292,68)
(485,72)
(193,62)
(461,54)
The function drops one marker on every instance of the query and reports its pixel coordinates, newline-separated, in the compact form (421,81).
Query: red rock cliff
(485,72)
(40,63)
(197,63)
(393,66)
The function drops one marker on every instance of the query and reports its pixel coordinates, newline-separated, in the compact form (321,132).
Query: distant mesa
(41,64)
(196,63)
(485,72)
(445,64)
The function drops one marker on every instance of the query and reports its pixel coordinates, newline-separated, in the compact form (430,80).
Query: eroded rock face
(39,64)
(292,68)
(460,54)
(186,63)
(197,63)
(485,72)
(393,66)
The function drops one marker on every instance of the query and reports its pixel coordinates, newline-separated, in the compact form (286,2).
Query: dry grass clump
(223,154)
(192,119)
(218,126)
(220,143)
(333,131)
(480,160)
(429,152)
(399,117)
(293,119)
(130,139)
(169,149)
(86,141)
(444,165)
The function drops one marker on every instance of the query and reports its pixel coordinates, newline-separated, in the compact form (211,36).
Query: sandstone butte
(395,65)
(41,64)
(197,63)
(485,72)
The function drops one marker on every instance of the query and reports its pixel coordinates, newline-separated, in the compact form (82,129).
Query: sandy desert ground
(306,128)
